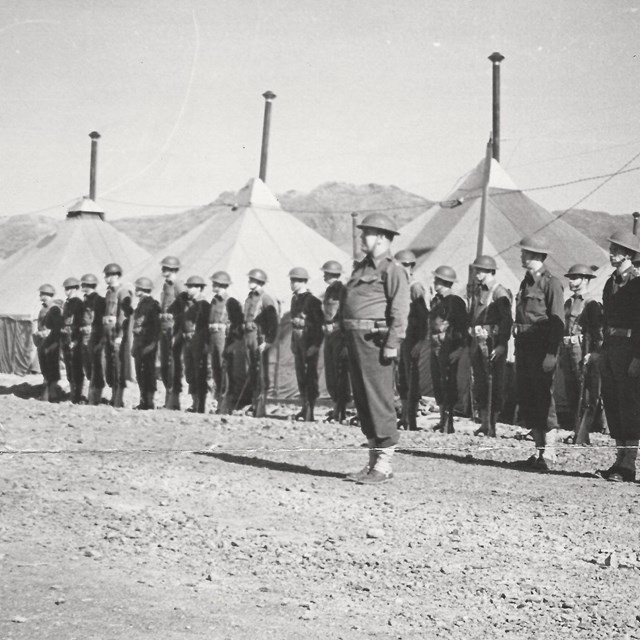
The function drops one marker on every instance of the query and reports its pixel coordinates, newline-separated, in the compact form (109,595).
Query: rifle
(583,417)
(261,395)
(491,429)
(223,393)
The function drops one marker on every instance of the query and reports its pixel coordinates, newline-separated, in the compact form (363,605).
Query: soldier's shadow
(23,390)
(262,463)
(501,464)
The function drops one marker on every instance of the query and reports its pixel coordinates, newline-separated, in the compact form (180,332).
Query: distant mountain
(19,231)
(597,225)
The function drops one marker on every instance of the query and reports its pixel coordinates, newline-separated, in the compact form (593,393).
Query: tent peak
(256,193)
(85,207)
(498,179)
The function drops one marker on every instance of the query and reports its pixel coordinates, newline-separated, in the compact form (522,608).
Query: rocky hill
(597,225)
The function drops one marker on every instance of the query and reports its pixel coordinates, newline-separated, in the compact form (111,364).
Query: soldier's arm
(316,317)
(554,295)
(593,324)
(505,319)
(155,328)
(236,318)
(459,321)
(634,301)
(397,292)
(270,319)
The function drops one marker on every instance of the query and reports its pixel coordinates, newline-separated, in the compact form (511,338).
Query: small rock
(18,619)
(611,560)
(375,532)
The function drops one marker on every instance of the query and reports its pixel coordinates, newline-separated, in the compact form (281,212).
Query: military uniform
(172,302)
(47,341)
(146,335)
(447,331)
(260,326)
(538,332)
(336,361)
(117,313)
(71,339)
(307,321)
(490,327)
(582,335)
(93,306)
(225,328)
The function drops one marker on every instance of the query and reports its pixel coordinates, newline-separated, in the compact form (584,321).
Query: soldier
(538,329)
(580,349)
(225,328)
(336,360)
(172,302)
(195,332)
(490,330)
(118,309)
(307,321)
(47,341)
(92,313)
(146,334)
(260,328)
(620,356)
(375,310)
(448,330)
(71,338)
(412,345)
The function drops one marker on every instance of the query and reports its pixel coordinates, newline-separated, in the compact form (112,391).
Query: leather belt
(519,328)
(217,327)
(569,340)
(483,330)
(373,326)
(166,316)
(620,332)
(329,327)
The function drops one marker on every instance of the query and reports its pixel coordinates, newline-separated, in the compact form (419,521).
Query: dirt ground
(120,524)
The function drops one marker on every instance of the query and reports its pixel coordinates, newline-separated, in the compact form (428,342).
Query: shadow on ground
(261,463)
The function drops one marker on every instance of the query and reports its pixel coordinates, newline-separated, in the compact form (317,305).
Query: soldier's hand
(311,351)
(634,368)
(549,363)
(264,346)
(498,352)
(454,356)
(389,354)
(117,341)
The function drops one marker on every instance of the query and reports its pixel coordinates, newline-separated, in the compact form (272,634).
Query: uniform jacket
(331,302)
(418,318)
(492,306)
(307,319)
(93,306)
(540,303)
(118,304)
(195,319)
(621,306)
(172,304)
(146,321)
(379,290)
(584,318)
(260,310)
(226,310)
(72,316)
(49,326)
(448,319)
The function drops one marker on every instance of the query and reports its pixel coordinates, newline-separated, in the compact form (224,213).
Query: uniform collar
(623,277)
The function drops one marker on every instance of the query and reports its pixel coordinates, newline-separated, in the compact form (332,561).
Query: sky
(368,91)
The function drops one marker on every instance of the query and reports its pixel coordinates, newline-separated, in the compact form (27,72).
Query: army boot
(439,426)
(373,456)
(117,400)
(492,424)
(381,470)
(448,427)
(150,400)
(44,396)
(308,412)
(483,429)
(412,415)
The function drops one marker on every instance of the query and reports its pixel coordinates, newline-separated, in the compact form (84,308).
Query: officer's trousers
(257,366)
(92,362)
(482,367)
(171,368)
(195,365)
(220,369)
(444,374)
(534,385)
(49,360)
(372,385)
(620,393)
(306,368)
(145,364)
(409,372)
(336,368)
(72,356)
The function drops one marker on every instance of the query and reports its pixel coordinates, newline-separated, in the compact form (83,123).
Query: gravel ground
(122,524)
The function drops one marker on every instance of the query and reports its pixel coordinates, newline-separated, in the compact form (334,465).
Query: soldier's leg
(217,355)
(150,381)
(311,385)
(297,347)
(480,387)
(498,370)
(413,392)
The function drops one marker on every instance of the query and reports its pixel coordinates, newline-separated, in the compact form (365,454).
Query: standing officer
(620,356)
(146,334)
(490,330)
(307,321)
(412,345)
(71,338)
(448,331)
(195,332)
(225,328)
(47,341)
(172,302)
(336,360)
(538,327)
(93,306)
(375,310)
(260,327)
(118,309)
(580,348)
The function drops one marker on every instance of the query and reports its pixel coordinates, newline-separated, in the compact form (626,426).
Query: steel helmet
(71,283)
(113,269)
(379,221)
(47,289)
(143,283)
(406,256)
(581,270)
(486,263)
(258,274)
(446,273)
(89,279)
(529,243)
(195,281)
(299,273)
(171,262)
(221,277)
(625,239)
(331,266)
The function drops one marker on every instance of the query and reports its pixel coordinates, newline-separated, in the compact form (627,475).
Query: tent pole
(266,125)
(354,235)
(635,215)
(276,373)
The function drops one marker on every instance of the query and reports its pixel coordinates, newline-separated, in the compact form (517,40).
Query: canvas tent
(447,233)
(83,243)
(255,233)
